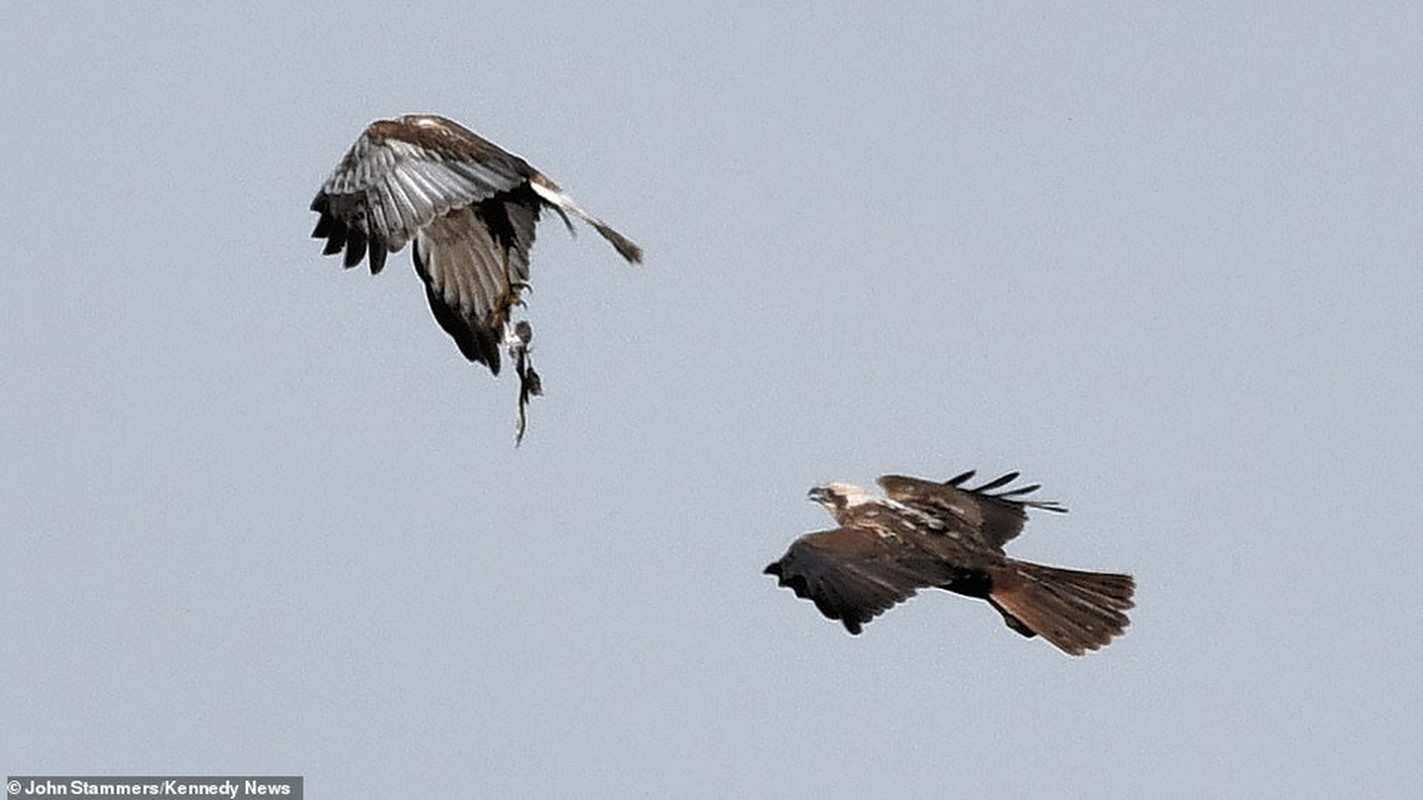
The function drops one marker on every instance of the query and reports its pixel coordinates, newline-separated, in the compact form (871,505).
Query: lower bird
(925,534)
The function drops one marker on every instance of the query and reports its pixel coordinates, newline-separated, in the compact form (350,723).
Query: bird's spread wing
(994,516)
(854,574)
(465,203)
(402,174)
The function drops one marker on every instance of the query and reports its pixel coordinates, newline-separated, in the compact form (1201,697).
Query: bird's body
(470,209)
(925,534)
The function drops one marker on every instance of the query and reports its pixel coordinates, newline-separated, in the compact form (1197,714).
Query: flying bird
(947,536)
(469,208)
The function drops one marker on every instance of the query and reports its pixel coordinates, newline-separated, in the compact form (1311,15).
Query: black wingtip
(335,232)
(1001,480)
(355,247)
(960,478)
(488,350)
(475,343)
(378,253)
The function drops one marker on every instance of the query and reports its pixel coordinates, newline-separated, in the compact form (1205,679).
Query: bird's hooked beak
(819,494)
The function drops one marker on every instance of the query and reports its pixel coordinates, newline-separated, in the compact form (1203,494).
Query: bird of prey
(469,208)
(947,536)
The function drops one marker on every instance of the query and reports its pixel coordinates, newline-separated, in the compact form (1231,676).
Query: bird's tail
(1076,611)
(564,205)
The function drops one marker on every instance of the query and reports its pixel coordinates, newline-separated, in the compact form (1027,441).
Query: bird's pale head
(837,497)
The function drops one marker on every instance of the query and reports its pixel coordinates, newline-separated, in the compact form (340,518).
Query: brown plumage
(948,536)
(469,207)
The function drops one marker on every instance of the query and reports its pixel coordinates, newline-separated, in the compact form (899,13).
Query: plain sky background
(259,516)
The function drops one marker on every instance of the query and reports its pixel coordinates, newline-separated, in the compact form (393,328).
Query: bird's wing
(399,176)
(466,204)
(854,574)
(993,516)
(473,277)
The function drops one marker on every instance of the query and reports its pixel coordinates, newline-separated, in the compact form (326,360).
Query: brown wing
(854,574)
(994,517)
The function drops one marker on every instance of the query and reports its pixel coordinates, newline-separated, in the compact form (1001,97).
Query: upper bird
(948,536)
(469,207)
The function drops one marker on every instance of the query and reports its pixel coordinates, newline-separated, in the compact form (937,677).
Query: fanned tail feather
(1075,611)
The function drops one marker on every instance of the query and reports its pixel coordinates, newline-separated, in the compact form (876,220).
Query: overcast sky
(259,515)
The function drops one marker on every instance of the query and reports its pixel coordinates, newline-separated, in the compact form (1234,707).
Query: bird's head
(837,497)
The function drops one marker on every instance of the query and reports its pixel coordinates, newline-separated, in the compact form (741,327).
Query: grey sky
(259,515)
